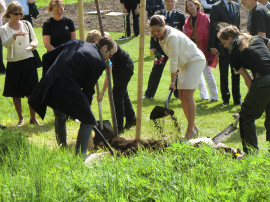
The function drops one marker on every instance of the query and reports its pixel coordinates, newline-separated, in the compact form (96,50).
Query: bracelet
(172,83)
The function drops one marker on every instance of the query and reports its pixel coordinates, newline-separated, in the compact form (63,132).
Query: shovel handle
(168,98)
(103,140)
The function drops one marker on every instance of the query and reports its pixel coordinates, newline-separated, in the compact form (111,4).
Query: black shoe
(238,103)
(213,100)
(3,127)
(130,124)
(225,104)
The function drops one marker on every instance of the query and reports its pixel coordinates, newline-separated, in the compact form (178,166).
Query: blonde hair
(12,7)
(196,2)
(232,31)
(54,3)
(93,36)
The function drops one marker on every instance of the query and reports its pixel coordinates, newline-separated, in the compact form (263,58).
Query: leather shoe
(130,124)
(213,100)
(148,98)
(3,127)
(238,103)
(225,104)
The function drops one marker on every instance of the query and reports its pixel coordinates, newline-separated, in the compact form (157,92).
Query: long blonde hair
(226,31)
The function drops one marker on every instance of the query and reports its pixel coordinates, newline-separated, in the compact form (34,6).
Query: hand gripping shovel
(227,131)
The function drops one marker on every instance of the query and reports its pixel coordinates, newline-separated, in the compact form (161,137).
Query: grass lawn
(40,171)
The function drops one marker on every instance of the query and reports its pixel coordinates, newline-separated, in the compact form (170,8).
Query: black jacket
(68,85)
(219,13)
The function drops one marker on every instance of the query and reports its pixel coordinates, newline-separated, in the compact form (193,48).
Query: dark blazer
(176,20)
(219,13)
(68,85)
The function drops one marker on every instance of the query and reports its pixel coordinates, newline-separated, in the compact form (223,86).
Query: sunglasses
(16,14)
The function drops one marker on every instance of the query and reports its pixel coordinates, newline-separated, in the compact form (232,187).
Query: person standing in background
(2,11)
(57,29)
(21,75)
(260,18)
(152,6)
(175,19)
(134,7)
(229,12)
(197,29)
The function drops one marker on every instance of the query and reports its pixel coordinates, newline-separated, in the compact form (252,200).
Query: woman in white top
(21,75)
(182,53)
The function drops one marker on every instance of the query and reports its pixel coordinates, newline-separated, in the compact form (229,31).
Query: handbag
(33,10)
(37,59)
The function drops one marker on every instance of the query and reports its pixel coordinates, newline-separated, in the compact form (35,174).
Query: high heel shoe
(20,123)
(35,122)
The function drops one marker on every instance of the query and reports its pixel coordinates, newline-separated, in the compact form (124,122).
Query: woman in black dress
(252,53)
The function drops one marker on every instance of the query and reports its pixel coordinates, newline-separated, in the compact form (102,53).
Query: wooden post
(140,72)
(81,19)
(108,75)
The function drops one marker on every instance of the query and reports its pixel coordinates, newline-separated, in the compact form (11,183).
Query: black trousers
(256,102)
(154,79)
(122,103)
(224,74)
(135,22)
(2,66)
(61,133)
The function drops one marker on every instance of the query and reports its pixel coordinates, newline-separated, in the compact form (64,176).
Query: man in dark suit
(152,6)
(229,12)
(176,19)
(68,86)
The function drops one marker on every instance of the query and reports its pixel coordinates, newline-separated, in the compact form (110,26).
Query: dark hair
(106,41)
(157,20)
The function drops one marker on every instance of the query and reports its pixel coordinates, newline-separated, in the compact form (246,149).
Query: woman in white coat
(182,53)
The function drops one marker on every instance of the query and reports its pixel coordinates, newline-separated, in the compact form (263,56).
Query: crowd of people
(193,45)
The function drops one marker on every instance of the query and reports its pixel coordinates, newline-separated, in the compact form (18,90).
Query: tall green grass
(179,173)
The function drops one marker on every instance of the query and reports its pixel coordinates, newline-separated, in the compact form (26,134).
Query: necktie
(168,16)
(230,9)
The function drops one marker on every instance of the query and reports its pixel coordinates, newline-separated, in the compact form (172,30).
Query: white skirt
(190,74)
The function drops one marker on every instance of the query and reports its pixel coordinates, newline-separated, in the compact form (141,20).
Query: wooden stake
(81,19)
(140,72)
(108,74)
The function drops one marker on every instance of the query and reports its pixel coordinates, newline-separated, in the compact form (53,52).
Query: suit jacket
(177,20)
(219,13)
(68,85)
(151,6)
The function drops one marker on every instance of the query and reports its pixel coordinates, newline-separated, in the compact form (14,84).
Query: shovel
(160,112)
(227,131)
(103,140)
(103,125)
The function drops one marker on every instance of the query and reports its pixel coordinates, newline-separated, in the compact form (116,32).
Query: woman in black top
(252,53)
(57,29)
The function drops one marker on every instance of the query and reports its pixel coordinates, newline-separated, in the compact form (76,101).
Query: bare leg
(189,108)
(18,107)
(33,119)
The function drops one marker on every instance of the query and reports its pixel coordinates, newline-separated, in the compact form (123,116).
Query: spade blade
(160,112)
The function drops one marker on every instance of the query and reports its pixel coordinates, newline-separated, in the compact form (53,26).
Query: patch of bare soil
(110,24)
